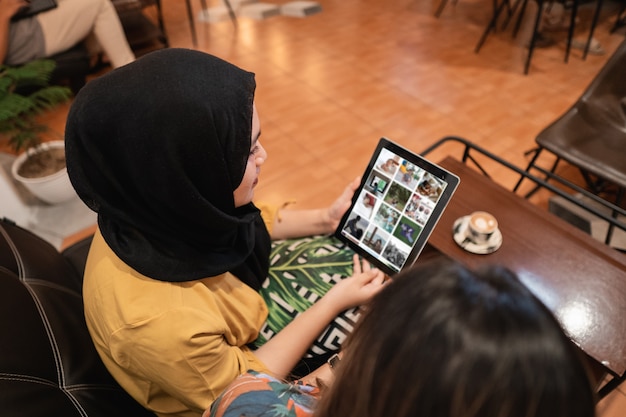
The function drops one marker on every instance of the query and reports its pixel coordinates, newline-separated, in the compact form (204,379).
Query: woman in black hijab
(166,150)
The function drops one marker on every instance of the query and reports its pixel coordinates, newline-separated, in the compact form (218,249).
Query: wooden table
(580,279)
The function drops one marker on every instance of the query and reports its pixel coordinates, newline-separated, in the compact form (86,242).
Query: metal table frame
(470,149)
(469,153)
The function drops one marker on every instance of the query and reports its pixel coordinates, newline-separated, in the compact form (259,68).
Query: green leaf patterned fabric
(301,272)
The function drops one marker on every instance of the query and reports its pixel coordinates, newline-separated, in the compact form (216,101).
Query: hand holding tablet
(396,207)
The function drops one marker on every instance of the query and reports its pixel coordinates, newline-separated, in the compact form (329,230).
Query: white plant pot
(53,189)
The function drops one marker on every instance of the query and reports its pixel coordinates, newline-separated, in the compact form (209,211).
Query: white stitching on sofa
(29,284)
(50,333)
(16,254)
(26,378)
(68,391)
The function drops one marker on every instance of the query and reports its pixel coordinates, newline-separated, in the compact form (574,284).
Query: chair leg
(513,11)
(520,16)
(164,39)
(203,4)
(552,169)
(594,22)
(229,6)
(231,12)
(618,201)
(595,186)
(192,24)
(531,164)
(572,27)
(492,23)
(442,5)
(610,386)
(533,38)
(620,20)
(440,8)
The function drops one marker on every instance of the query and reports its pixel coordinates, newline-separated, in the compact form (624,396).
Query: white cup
(481,227)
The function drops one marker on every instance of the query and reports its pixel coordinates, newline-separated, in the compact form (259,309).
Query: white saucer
(461,237)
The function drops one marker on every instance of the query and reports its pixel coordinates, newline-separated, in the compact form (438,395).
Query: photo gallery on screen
(392,209)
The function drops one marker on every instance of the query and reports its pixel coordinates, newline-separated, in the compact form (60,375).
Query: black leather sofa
(48,364)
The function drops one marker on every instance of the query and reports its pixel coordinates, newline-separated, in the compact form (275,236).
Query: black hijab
(157,148)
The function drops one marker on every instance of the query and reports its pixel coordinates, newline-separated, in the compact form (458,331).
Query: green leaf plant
(25,92)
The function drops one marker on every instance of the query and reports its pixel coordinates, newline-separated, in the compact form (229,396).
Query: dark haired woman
(438,341)
(167,151)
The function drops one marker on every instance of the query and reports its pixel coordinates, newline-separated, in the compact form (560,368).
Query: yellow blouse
(173,347)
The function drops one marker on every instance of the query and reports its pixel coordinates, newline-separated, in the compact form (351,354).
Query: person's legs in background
(74,20)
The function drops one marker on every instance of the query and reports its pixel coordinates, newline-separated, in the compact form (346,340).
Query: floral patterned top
(256,394)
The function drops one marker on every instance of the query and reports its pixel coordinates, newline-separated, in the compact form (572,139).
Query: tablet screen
(395,209)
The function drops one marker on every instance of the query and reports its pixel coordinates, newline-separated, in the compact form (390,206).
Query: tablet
(396,207)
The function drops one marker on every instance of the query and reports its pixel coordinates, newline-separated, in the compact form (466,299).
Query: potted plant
(25,92)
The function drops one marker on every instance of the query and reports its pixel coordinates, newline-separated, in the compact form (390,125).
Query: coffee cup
(481,227)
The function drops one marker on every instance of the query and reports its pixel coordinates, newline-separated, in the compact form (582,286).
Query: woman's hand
(356,290)
(341,204)
(281,353)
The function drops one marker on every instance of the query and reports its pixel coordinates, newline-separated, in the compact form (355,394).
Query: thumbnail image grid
(392,209)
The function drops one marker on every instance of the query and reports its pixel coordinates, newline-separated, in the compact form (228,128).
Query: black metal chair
(522,5)
(591,135)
